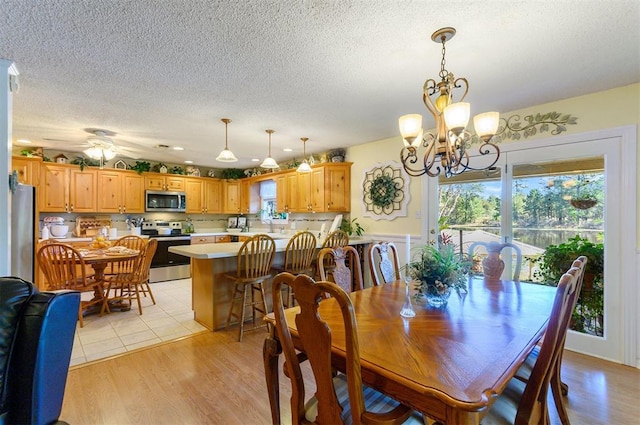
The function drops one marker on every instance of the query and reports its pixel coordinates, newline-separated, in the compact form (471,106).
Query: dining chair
(128,241)
(558,388)
(254,262)
(144,288)
(384,269)
(348,279)
(526,402)
(298,258)
(492,264)
(338,398)
(124,286)
(333,239)
(64,268)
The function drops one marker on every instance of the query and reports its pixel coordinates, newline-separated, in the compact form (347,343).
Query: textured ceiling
(338,72)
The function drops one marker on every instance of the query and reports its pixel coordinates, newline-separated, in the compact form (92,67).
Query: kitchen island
(211,291)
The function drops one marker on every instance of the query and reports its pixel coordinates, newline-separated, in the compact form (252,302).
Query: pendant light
(226,155)
(304,167)
(268,161)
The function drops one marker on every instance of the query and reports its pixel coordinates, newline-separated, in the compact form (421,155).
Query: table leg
(271,351)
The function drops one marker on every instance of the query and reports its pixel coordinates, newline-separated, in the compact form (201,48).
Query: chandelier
(446,149)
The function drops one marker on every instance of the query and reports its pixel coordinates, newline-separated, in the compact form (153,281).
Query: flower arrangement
(439,270)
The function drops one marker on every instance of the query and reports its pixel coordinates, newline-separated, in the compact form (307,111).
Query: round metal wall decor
(386,191)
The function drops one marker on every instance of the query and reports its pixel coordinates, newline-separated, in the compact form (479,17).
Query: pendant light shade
(304,167)
(269,162)
(226,155)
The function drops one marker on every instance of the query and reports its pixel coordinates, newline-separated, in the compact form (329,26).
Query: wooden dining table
(448,363)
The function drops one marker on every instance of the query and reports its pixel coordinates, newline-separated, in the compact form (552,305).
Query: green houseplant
(557,259)
(438,271)
(351,227)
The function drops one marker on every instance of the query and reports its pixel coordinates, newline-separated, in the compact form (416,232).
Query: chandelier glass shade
(304,167)
(226,155)
(269,162)
(446,148)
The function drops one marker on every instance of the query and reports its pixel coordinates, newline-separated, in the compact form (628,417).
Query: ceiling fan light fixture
(304,167)
(269,162)
(226,155)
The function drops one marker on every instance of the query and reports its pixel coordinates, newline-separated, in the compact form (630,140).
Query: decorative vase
(435,297)
(163,169)
(492,265)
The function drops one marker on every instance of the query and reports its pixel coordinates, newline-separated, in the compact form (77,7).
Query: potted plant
(141,166)
(557,259)
(438,271)
(351,227)
(85,162)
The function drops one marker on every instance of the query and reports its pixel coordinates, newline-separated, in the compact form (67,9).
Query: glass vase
(437,297)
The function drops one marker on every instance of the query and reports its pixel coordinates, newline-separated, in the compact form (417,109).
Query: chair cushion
(15,294)
(374,401)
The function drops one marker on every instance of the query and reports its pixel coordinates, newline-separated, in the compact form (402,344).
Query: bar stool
(298,258)
(255,259)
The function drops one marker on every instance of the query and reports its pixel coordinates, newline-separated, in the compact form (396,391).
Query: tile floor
(120,332)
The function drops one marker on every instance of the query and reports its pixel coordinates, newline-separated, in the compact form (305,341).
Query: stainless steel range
(166,265)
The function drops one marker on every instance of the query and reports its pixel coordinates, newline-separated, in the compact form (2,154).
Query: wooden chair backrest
(500,247)
(63,267)
(336,238)
(255,257)
(384,269)
(149,252)
(315,337)
(347,279)
(533,401)
(131,242)
(300,252)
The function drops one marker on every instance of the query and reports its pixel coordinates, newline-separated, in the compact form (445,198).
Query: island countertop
(210,251)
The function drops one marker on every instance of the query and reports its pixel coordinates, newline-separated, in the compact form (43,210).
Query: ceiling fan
(100,146)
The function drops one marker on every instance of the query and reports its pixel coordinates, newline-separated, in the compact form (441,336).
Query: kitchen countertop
(71,238)
(225,250)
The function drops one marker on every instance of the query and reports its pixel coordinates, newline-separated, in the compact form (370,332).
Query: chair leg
(147,288)
(556,390)
(242,306)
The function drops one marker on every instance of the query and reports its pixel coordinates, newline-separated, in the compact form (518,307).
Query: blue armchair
(36,339)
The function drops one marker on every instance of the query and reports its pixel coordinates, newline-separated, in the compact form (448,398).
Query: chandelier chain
(443,72)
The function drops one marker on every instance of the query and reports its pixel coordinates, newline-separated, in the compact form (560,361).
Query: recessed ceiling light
(188,162)
(178,148)
(287,150)
(24,141)
(255,160)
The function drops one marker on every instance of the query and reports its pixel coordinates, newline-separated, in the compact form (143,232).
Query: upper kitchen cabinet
(28,169)
(121,192)
(203,195)
(337,186)
(231,197)
(166,182)
(249,196)
(65,188)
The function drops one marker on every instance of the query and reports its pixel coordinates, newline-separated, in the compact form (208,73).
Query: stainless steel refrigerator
(22,232)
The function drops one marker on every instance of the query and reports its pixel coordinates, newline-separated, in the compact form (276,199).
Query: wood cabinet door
(249,196)
(213,196)
(231,196)
(293,203)
(282,195)
(28,169)
(195,196)
(175,184)
(338,188)
(316,190)
(82,190)
(109,197)
(154,182)
(133,193)
(55,188)
(304,192)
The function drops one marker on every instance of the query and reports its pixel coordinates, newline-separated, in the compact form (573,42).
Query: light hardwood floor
(211,378)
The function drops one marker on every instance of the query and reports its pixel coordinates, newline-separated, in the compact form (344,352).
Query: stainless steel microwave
(165,201)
